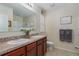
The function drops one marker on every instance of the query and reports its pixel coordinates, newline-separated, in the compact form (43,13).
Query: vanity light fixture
(30,4)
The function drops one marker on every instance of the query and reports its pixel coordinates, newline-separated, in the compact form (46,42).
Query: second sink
(18,41)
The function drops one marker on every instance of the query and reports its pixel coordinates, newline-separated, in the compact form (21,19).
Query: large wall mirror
(13,18)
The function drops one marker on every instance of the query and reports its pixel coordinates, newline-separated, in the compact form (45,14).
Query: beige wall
(52,21)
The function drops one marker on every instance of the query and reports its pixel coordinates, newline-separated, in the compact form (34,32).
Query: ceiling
(18,9)
(53,6)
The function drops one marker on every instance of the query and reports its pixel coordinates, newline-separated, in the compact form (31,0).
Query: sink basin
(37,36)
(18,41)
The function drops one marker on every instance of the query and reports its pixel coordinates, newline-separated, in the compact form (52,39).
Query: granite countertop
(5,47)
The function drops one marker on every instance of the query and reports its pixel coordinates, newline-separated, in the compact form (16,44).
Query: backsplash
(10,36)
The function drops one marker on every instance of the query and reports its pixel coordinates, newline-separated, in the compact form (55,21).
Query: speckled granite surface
(4,47)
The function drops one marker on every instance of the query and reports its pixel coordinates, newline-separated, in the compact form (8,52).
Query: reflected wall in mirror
(3,23)
(17,23)
(33,22)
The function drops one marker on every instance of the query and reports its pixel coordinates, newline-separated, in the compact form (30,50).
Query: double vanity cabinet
(36,48)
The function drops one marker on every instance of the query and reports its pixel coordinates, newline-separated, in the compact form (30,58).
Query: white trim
(66,49)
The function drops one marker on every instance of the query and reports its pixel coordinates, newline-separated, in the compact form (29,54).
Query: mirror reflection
(11,17)
(16,16)
(3,23)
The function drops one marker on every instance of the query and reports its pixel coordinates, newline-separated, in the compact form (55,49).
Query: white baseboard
(66,49)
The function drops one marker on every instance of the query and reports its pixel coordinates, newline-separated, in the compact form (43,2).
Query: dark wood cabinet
(66,35)
(41,47)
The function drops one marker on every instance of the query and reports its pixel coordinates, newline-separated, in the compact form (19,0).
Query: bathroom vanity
(35,46)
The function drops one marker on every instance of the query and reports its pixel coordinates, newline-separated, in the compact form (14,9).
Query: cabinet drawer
(17,52)
(30,46)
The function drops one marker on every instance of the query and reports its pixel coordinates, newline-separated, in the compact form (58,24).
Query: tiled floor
(58,52)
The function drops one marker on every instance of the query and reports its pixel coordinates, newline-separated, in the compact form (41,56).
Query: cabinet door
(40,50)
(17,52)
(62,35)
(68,35)
(31,49)
(45,47)
(32,52)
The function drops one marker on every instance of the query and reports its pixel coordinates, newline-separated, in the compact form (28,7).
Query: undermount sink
(19,41)
(37,36)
